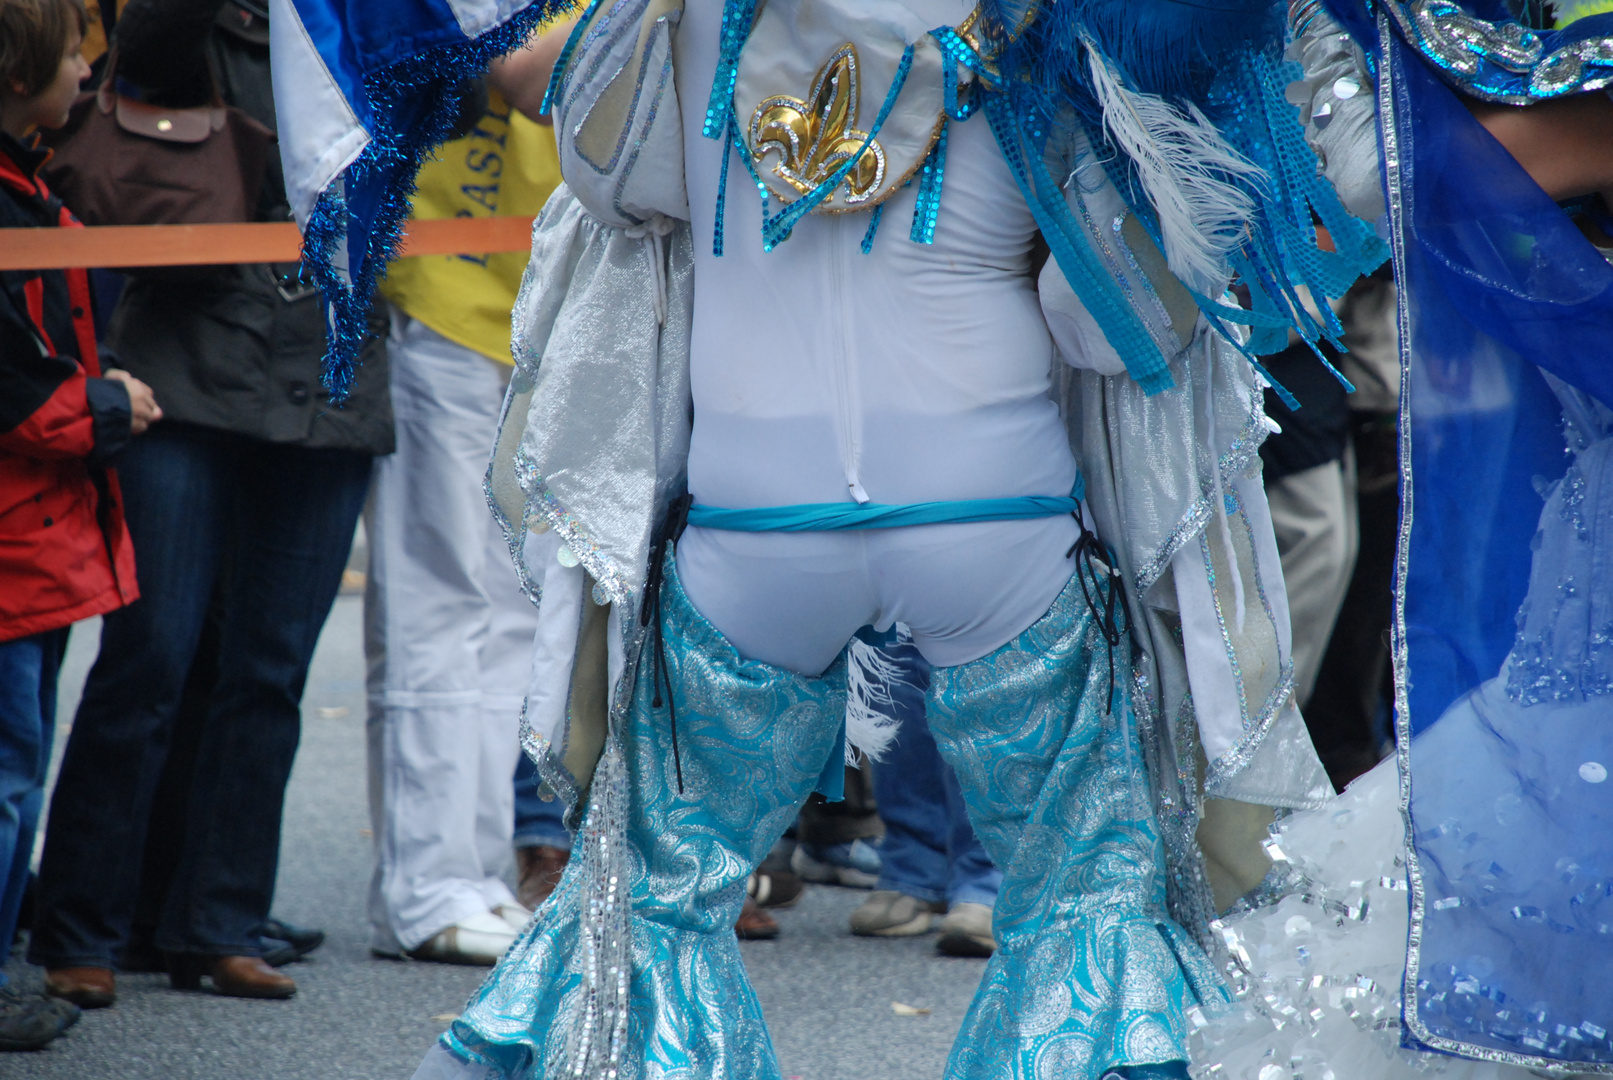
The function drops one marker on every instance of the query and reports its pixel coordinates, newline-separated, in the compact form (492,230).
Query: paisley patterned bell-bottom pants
(1090,975)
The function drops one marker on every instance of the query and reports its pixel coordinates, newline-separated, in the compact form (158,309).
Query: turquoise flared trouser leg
(753,741)
(1089,975)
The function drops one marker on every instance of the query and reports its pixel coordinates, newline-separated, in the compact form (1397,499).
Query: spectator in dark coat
(247,498)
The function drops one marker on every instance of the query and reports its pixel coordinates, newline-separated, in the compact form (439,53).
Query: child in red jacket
(64,552)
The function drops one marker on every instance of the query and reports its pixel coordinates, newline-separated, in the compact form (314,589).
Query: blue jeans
(28,670)
(536,821)
(930,850)
(264,530)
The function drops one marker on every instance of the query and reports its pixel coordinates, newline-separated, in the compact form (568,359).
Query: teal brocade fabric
(1088,976)
(753,740)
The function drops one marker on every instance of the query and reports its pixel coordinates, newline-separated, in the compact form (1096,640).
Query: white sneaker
(514,914)
(966,931)
(854,865)
(480,939)
(384,943)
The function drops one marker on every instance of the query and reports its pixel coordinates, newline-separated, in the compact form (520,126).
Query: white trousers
(448,639)
(1314,516)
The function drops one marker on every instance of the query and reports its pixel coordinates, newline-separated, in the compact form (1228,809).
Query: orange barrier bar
(203,245)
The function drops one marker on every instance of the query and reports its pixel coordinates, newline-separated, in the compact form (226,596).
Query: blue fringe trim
(737,17)
(415,109)
(1224,57)
(1022,137)
(722,190)
(927,207)
(873,228)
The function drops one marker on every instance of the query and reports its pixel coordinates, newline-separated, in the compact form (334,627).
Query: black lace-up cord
(1095,567)
(677,516)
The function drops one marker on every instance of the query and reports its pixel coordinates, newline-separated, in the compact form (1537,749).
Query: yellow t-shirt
(507,166)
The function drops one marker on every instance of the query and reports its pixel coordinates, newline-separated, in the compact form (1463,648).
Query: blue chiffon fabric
(1505,635)
(1091,977)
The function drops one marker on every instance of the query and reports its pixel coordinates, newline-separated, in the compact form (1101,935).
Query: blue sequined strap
(1504,60)
(823,517)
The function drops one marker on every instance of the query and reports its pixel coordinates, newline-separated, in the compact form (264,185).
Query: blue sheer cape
(1511,823)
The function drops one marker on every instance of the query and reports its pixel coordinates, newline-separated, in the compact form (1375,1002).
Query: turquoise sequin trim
(928,205)
(826,517)
(737,17)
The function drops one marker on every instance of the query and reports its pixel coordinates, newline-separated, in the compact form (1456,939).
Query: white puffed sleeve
(1076,333)
(617,123)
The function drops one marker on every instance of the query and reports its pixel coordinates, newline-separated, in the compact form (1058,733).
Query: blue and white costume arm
(602,324)
(1174,478)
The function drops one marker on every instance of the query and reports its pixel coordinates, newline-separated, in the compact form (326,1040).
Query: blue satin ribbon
(822,517)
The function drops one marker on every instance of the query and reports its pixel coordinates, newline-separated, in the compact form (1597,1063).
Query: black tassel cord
(1096,569)
(677,517)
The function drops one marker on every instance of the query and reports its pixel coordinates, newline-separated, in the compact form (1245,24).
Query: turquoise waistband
(821,517)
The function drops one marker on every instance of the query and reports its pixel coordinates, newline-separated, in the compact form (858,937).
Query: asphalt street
(831,1000)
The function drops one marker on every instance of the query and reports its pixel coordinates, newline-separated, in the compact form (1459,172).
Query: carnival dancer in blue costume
(1497,140)
(789,365)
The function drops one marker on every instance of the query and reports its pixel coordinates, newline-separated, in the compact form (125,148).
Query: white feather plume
(871,722)
(1184,166)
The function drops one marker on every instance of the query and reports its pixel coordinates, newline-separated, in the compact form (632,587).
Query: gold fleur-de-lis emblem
(813,138)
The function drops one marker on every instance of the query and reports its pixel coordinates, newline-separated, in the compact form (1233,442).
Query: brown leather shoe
(540,867)
(233,976)
(86,987)
(754,924)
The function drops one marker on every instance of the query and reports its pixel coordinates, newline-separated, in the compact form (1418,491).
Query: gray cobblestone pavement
(828,997)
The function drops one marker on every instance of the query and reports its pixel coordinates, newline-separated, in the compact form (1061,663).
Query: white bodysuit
(914,373)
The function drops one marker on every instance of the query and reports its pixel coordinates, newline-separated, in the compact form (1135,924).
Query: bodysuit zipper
(846,394)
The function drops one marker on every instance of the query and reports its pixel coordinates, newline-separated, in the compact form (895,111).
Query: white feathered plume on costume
(1186,168)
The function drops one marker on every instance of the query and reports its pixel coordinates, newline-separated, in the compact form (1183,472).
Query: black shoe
(65,1010)
(302,941)
(30,1021)
(277,953)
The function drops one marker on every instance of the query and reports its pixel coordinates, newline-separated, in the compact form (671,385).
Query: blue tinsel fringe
(416,107)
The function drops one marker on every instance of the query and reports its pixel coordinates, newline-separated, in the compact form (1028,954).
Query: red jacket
(64,550)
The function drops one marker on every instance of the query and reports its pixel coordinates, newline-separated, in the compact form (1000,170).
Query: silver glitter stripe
(663,28)
(1396,144)
(595,1036)
(1260,579)
(542,505)
(514,535)
(1221,621)
(1198,515)
(1176,808)
(547,759)
(1234,760)
(1241,453)
(1229,764)
(616,27)
(1169,337)
(1245,449)
(1389,125)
